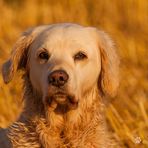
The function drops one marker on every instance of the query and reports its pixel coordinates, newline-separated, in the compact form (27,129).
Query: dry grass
(126,21)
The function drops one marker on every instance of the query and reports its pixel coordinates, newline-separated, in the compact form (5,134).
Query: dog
(69,70)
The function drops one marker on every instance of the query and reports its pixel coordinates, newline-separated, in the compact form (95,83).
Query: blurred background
(127,23)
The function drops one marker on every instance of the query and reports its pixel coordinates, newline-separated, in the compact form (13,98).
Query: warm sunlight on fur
(69,69)
(125,22)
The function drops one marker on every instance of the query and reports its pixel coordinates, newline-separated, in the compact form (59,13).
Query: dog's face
(64,62)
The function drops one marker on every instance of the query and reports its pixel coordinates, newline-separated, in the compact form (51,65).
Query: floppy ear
(18,58)
(109,78)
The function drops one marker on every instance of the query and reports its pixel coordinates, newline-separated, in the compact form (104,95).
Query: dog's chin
(61,102)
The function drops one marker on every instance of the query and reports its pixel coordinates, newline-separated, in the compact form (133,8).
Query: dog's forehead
(66,35)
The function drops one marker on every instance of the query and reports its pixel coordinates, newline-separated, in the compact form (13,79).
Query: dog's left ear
(109,64)
(109,77)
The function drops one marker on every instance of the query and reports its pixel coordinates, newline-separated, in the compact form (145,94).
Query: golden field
(125,20)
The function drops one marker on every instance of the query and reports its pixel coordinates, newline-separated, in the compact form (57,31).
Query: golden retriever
(68,71)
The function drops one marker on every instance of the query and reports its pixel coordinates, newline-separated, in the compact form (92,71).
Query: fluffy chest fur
(40,134)
(85,129)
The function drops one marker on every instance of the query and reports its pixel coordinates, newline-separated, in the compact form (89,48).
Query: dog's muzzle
(58,96)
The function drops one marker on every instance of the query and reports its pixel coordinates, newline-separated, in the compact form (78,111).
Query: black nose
(58,78)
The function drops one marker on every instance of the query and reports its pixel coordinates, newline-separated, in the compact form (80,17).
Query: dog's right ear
(18,58)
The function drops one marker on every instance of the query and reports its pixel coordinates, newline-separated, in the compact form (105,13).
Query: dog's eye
(80,56)
(43,55)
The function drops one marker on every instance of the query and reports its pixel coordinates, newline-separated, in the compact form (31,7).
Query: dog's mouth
(60,98)
(61,101)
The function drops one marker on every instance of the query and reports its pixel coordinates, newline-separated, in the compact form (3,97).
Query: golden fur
(91,80)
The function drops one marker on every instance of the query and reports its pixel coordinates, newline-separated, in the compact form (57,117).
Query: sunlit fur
(85,126)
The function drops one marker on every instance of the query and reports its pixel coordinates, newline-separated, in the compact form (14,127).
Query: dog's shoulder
(4,139)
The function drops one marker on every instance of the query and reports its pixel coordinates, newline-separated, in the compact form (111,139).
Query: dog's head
(64,61)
